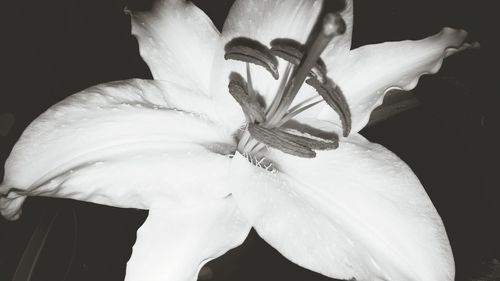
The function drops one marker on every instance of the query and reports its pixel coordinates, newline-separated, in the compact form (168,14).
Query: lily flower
(256,126)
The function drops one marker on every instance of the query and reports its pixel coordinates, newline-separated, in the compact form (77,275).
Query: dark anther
(309,141)
(274,138)
(238,89)
(334,97)
(288,49)
(252,51)
(319,71)
(293,52)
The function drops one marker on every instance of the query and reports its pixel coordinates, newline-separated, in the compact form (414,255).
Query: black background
(53,48)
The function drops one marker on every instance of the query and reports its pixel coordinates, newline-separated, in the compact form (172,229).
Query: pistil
(333,25)
(267,128)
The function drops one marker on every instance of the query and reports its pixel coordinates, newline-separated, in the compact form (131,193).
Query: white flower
(181,147)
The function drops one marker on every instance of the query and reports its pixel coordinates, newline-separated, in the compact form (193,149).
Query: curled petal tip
(10,206)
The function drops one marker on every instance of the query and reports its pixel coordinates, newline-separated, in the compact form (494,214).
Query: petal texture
(222,109)
(177,41)
(174,244)
(355,212)
(265,20)
(368,72)
(118,144)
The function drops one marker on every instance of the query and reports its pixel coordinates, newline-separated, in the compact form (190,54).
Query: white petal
(173,244)
(265,20)
(222,109)
(117,144)
(177,41)
(368,72)
(357,211)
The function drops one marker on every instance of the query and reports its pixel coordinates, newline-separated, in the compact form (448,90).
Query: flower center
(267,126)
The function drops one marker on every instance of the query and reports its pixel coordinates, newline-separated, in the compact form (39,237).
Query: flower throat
(265,126)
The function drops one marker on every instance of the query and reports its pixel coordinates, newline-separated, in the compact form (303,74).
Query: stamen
(295,111)
(308,140)
(252,109)
(333,25)
(273,138)
(334,97)
(264,128)
(305,103)
(250,90)
(251,51)
(263,162)
(319,71)
(293,52)
(288,49)
(281,90)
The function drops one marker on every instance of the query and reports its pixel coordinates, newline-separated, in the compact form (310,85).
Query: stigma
(267,126)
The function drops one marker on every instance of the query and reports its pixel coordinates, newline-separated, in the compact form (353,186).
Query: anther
(332,25)
(238,89)
(274,139)
(308,140)
(334,97)
(319,71)
(288,49)
(251,51)
(293,52)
